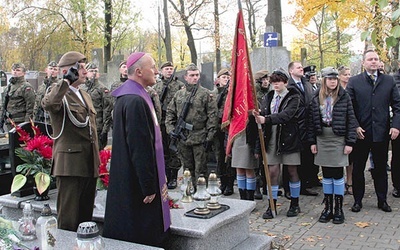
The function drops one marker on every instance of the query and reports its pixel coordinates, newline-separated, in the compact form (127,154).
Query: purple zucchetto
(134,57)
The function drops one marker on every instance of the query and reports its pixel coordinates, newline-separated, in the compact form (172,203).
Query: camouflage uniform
(102,102)
(202,115)
(156,102)
(21,100)
(172,161)
(117,84)
(38,112)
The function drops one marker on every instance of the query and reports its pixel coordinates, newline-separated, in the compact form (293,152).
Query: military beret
(91,65)
(133,58)
(52,64)
(310,70)
(223,72)
(18,65)
(122,63)
(70,58)
(260,74)
(167,64)
(329,72)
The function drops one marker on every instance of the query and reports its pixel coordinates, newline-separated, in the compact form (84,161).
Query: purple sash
(132,87)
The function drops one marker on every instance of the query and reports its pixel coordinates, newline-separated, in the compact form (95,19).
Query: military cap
(223,72)
(18,65)
(52,64)
(133,58)
(260,74)
(167,64)
(91,65)
(122,63)
(70,58)
(329,72)
(310,70)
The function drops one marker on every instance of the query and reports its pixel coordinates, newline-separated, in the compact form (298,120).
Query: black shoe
(172,184)
(384,206)
(280,193)
(293,211)
(308,192)
(396,193)
(228,191)
(356,207)
(268,214)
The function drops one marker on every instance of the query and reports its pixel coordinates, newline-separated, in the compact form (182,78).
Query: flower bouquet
(36,152)
(104,168)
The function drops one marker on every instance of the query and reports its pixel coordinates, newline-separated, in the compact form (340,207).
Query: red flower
(105,156)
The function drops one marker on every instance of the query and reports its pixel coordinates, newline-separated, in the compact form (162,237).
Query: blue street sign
(271,39)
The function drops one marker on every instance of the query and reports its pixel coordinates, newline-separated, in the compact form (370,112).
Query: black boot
(229,185)
(243,194)
(268,213)
(222,187)
(173,179)
(250,195)
(257,193)
(294,208)
(338,216)
(327,213)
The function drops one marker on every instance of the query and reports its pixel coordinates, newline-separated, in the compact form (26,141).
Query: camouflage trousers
(194,158)
(171,158)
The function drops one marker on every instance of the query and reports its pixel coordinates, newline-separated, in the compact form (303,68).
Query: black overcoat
(133,176)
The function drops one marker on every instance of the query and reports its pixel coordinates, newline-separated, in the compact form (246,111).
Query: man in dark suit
(307,171)
(75,151)
(372,93)
(396,149)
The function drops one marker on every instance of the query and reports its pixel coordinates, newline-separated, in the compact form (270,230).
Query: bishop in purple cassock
(137,207)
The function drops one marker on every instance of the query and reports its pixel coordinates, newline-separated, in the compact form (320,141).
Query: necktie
(329,109)
(372,78)
(314,87)
(300,86)
(277,102)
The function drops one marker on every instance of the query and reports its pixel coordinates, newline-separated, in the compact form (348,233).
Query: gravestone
(207,74)
(269,58)
(97,58)
(113,70)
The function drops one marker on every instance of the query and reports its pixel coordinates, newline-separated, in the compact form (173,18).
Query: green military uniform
(156,102)
(38,112)
(21,100)
(202,115)
(172,161)
(103,104)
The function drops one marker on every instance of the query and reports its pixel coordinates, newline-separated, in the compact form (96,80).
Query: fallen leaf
(287,237)
(304,224)
(310,239)
(361,224)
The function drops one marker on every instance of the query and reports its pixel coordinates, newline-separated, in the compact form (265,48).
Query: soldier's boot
(250,195)
(327,213)
(268,213)
(229,185)
(173,179)
(338,216)
(223,180)
(243,194)
(257,193)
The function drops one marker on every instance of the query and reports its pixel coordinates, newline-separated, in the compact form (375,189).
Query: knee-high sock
(338,186)
(241,181)
(251,183)
(274,189)
(327,185)
(294,189)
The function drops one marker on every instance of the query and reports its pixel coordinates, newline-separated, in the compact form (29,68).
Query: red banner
(240,97)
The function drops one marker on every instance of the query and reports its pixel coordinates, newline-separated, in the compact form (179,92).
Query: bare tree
(274,17)
(167,28)
(217,37)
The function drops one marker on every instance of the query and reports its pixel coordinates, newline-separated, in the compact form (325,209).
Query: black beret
(167,64)
(70,58)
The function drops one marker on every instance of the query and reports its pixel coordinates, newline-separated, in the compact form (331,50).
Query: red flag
(240,97)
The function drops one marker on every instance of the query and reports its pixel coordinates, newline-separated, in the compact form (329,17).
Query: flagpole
(261,136)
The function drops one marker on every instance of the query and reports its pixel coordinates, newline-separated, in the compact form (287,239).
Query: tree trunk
(107,32)
(217,37)
(167,38)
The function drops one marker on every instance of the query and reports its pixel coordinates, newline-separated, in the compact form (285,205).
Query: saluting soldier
(166,87)
(202,115)
(51,77)
(19,97)
(102,102)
